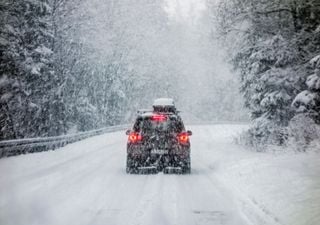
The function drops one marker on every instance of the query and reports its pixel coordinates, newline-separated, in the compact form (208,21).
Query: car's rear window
(148,126)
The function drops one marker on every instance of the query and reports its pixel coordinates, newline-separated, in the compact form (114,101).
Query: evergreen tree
(28,87)
(308,101)
(270,42)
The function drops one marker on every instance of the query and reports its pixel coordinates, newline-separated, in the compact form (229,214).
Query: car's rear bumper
(158,160)
(182,153)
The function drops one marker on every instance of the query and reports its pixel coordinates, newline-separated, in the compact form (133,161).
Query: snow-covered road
(85,183)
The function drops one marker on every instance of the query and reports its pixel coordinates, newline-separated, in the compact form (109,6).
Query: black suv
(158,141)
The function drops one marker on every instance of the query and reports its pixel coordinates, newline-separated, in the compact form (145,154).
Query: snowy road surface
(85,183)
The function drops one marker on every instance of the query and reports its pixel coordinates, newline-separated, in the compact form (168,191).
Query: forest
(275,48)
(77,65)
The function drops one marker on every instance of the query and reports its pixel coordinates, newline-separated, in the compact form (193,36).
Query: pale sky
(188,11)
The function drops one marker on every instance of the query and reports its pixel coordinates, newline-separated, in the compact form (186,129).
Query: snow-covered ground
(86,183)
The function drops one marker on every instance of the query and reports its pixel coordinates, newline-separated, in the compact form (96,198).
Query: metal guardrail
(29,145)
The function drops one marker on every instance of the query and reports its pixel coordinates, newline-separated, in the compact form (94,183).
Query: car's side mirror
(128,132)
(189,132)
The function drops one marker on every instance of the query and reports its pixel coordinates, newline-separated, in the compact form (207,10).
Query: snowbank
(276,189)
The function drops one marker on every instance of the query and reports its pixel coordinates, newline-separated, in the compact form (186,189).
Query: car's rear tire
(131,166)
(186,169)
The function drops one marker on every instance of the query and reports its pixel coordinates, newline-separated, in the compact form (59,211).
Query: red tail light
(159,118)
(183,137)
(134,137)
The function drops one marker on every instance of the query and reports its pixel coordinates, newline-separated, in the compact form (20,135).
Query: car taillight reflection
(183,137)
(134,137)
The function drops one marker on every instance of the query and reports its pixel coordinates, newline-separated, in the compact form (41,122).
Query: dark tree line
(28,80)
(275,47)
(51,80)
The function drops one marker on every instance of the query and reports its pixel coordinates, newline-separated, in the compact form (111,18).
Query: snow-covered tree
(269,42)
(308,101)
(27,73)
(305,125)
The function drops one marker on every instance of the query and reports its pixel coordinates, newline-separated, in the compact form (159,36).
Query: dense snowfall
(70,66)
(78,65)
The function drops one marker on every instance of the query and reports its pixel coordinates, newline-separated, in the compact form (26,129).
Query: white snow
(313,82)
(35,69)
(163,102)
(4,42)
(5,97)
(4,81)
(33,105)
(43,50)
(304,99)
(86,183)
(315,59)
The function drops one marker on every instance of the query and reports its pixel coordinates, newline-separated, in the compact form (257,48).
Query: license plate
(159,151)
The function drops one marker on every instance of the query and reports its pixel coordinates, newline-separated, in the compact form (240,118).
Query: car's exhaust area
(172,170)
(156,170)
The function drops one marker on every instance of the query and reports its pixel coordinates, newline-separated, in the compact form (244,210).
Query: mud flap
(148,170)
(172,170)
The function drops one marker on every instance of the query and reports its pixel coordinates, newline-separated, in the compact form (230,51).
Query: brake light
(159,118)
(134,137)
(183,137)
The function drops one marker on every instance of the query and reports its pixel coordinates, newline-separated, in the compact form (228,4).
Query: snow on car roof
(163,102)
(146,114)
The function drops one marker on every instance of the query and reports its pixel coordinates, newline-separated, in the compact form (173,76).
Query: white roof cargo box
(163,102)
